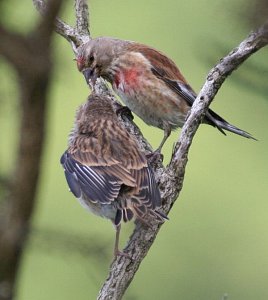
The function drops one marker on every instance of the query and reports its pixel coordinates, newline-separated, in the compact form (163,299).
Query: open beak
(90,75)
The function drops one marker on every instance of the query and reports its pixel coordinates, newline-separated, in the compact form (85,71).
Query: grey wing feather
(148,198)
(211,118)
(96,185)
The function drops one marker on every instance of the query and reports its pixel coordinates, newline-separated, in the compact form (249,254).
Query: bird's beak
(90,75)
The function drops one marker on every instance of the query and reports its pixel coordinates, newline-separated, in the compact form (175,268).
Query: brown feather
(159,61)
(102,142)
(166,70)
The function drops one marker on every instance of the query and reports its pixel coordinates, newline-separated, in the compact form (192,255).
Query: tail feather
(215,120)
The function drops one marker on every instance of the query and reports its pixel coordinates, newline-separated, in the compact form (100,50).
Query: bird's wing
(98,183)
(186,92)
(145,197)
(144,201)
(148,196)
(166,70)
(148,193)
(182,89)
(97,174)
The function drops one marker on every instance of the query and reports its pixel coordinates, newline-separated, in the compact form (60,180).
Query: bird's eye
(91,58)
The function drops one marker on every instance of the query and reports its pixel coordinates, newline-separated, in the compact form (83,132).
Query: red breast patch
(128,77)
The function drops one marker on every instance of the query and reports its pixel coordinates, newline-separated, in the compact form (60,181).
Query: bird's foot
(155,156)
(124,111)
(121,253)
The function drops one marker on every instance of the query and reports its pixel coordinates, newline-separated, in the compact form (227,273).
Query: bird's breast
(128,79)
(145,94)
(150,99)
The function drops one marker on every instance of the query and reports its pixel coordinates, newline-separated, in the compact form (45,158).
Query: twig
(82,17)
(72,35)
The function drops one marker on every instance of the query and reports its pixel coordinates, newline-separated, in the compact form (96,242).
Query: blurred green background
(216,241)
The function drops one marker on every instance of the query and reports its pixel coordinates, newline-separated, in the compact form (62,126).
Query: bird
(105,169)
(147,81)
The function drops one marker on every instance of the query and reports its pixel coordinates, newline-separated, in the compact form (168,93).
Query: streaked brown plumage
(105,169)
(148,82)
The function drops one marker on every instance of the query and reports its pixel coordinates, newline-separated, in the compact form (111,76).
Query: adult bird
(106,170)
(148,82)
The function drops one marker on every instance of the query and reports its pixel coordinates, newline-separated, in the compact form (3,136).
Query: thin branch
(71,34)
(82,17)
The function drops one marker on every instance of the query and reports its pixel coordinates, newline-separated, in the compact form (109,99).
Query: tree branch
(82,17)
(170,179)
(78,35)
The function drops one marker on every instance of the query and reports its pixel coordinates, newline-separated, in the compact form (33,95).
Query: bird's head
(95,58)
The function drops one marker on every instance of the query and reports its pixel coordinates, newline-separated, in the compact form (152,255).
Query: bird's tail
(215,120)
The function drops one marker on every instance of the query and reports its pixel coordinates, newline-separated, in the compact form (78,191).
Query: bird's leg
(167,132)
(156,155)
(116,244)
(116,248)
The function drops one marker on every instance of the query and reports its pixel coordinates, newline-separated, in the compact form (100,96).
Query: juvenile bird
(105,169)
(147,81)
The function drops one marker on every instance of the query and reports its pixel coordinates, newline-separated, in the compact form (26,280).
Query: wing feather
(97,186)
(159,61)
(166,70)
(147,197)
